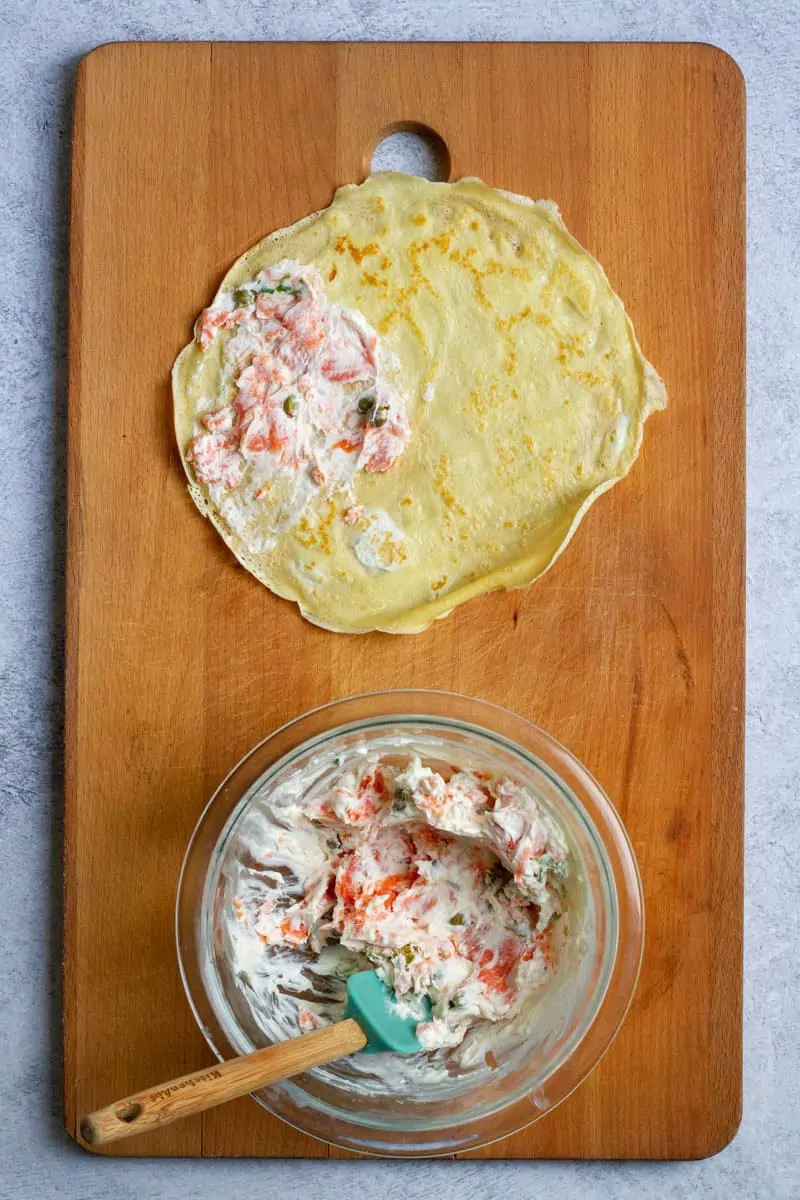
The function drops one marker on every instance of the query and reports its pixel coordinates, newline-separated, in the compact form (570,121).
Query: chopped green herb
(290,406)
(457,919)
(557,868)
(284,288)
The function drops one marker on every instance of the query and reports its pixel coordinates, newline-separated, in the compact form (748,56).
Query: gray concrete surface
(40,43)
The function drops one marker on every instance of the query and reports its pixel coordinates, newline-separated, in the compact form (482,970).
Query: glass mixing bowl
(582,1007)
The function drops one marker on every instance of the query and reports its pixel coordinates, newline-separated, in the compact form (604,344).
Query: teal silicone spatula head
(372,1004)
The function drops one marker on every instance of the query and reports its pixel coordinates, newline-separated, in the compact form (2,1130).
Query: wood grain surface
(630,650)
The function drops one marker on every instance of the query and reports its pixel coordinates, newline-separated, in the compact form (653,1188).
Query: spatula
(371,1023)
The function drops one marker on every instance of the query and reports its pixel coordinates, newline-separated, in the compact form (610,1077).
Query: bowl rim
(353,1133)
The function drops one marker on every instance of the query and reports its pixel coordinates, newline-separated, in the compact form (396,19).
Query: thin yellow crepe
(526,389)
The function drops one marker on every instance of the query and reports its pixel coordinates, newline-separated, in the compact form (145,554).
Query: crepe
(409,399)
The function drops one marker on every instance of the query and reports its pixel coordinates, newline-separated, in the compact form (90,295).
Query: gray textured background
(40,44)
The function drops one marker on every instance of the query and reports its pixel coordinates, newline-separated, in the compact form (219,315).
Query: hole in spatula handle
(126,1113)
(129,1112)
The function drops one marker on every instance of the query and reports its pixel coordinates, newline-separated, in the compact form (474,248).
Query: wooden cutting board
(630,650)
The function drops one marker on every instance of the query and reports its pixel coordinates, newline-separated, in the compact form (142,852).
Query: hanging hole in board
(413,149)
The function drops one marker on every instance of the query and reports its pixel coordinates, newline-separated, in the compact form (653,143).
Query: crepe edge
(654,398)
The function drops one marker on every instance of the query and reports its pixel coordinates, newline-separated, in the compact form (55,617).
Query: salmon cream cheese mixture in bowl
(462,853)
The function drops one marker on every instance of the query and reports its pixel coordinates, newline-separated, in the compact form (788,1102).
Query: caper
(401,799)
(366,403)
(381,415)
(457,919)
(242,297)
(290,406)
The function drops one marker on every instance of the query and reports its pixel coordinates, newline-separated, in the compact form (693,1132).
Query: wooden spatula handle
(214,1085)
